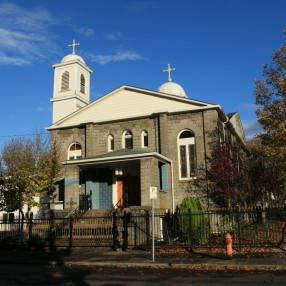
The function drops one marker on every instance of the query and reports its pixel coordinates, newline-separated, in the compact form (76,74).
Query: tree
(265,176)
(28,169)
(229,176)
(270,94)
(227,179)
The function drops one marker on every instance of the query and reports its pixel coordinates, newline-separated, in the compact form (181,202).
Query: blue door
(99,185)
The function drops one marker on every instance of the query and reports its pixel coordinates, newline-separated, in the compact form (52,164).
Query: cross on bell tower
(73,45)
(168,70)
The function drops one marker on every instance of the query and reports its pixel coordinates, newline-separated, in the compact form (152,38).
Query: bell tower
(71,85)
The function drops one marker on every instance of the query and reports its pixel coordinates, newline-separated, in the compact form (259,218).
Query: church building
(114,149)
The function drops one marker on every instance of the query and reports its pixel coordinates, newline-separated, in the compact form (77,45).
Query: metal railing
(255,227)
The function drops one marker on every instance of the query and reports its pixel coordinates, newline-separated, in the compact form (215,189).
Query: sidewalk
(138,258)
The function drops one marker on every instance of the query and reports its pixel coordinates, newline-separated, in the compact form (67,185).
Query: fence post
(167,220)
(22,228)
(71,229)
(175,227)
(147,218)
(30,230)
(190,230)
(125,232)
(239,227)
(115,231)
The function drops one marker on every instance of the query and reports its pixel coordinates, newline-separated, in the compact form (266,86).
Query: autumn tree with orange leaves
(270,95)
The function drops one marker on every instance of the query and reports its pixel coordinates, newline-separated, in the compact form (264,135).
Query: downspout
(156,120)
(206,168)
(171,162)
(223,127)
(172,187)
(159,134)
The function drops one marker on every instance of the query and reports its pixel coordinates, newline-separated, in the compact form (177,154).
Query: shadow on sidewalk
(214,256)
(38,266)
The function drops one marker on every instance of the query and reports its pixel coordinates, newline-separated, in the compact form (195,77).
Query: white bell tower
(71,85)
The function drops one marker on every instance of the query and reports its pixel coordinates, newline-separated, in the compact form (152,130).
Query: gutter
(116,158)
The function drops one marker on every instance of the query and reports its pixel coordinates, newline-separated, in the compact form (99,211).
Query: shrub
(192,222)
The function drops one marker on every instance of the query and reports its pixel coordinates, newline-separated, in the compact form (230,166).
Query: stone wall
(71,187)
(163,131)
(65,137)
(202,124)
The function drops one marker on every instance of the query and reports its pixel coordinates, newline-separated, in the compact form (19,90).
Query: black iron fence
(255,227)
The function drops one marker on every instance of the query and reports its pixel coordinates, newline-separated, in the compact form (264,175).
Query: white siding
(126,104)
(62,109)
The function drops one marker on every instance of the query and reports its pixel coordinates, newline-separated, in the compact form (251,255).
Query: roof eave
(91,161)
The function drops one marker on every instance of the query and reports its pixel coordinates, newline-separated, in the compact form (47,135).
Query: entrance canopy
(117,156)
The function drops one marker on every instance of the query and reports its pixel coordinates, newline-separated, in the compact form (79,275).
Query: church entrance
(128,191)
(99,187)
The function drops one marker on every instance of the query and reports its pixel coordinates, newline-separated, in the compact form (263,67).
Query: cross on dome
(168,70)
(73,45)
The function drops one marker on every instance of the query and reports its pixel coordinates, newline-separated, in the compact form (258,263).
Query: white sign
(153,193)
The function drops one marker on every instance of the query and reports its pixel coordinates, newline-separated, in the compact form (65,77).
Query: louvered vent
(82,84)
(65,81)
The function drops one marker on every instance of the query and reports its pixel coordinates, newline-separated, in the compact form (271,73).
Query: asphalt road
(106,276)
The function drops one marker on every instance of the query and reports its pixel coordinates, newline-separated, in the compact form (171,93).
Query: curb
(167,265)
(202,267)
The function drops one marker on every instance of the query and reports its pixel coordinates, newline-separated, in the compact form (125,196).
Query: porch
(117,179)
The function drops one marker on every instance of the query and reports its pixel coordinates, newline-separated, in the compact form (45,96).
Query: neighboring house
(11,217)
(115,148)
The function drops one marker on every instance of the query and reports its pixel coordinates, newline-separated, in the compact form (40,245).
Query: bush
(192,222)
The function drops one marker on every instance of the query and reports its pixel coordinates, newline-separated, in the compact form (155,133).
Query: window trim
(144,135)
(110,143)
(186,143)
(124,138)
(76,153)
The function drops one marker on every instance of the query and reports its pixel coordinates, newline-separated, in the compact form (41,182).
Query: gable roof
(234,119)
(129,102)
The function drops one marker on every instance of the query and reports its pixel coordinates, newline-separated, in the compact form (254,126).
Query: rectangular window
(192,160)
(146,141)
(163,176)
(112,144)
(183,160)
(129,143)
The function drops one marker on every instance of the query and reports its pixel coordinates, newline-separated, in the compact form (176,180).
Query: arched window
(144,139)
(187,154)
(82,83)
(127,139)
(74,151)
(110,143)
(65,81)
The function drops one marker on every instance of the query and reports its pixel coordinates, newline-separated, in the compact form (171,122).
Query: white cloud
(86,31)
(113,35)
(13,61)
(249,106)
(25,35)
(122,55)
(251,128)
(44,109)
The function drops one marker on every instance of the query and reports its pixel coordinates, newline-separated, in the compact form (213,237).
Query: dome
(172,88)
(72,57)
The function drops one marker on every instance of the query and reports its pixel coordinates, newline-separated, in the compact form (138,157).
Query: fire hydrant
(228,243)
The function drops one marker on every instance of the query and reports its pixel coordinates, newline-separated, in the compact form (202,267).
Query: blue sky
(217,47)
